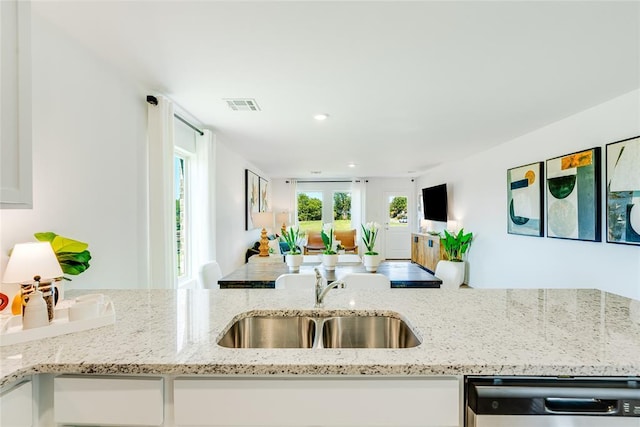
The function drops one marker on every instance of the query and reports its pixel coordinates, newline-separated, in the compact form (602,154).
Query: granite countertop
(470,331)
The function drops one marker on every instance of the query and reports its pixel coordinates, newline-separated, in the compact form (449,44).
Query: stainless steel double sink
(320,331)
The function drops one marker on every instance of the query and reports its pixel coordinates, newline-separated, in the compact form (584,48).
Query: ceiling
(407,85)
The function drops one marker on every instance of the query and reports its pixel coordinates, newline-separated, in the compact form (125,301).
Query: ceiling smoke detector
(242,104)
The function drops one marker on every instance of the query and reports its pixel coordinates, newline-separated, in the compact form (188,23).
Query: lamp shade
(32,259)
(283,218)
(262,219)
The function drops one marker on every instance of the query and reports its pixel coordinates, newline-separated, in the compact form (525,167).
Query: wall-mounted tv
(434,202)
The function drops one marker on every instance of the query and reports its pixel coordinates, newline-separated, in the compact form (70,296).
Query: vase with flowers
(293,258)
(371,258)
(329,255)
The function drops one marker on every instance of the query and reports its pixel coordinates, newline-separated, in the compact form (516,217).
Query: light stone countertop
(470,331)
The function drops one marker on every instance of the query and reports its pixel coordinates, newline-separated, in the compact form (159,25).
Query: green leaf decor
(72,255)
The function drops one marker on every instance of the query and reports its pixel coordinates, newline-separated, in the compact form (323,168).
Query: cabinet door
(130,401)
(16,406)
(391,402)
(15,105)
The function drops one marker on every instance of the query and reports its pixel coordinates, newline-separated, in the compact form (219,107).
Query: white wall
(89,127)
(232,240)
(477,191)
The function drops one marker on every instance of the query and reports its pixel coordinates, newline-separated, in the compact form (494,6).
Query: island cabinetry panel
(16,405)
(123,401)
(396,402)
(426,251)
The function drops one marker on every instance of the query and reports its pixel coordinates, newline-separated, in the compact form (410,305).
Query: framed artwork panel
(252,191)
(265,202)
(623,191)
(574,196)
(525,200)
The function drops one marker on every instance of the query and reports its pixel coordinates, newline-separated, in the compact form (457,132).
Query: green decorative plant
(327,239)
(72,255)
(369,234)
(292,237)
(456,245)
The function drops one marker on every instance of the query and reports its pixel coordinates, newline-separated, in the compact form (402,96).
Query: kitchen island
(464,332)
(470,331)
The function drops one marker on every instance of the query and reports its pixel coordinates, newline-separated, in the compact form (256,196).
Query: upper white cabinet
(15,105)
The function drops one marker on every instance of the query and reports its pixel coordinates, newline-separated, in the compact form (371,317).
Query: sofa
(347,239)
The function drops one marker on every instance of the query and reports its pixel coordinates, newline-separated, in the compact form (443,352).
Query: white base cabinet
(321,401)
(16,405)
(108,401)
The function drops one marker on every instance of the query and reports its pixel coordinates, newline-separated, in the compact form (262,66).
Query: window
(309,210)
(342,210)
(182,231)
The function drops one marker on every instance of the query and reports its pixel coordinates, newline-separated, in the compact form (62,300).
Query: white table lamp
(32,262)
(263,220)
(283,218)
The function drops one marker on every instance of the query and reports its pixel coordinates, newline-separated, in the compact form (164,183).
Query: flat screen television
(434,202)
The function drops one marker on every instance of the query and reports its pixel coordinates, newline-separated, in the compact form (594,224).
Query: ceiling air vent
(242,104)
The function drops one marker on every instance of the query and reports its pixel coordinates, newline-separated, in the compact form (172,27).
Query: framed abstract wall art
(574,196)
(252,191)
(265,203)
(525,200)
(623,191)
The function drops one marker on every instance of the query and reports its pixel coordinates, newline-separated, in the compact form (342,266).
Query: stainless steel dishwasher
(552,402)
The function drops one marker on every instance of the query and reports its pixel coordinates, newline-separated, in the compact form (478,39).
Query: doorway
(397,230)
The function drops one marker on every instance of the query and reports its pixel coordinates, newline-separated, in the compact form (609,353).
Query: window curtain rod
(319,182)
(154,101)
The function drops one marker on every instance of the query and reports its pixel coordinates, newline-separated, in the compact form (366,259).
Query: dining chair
(296,281)
(366,281)
(450,274)
(210,273)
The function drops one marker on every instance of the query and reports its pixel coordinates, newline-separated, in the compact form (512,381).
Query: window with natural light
(342,210)
(179,168)
(309,211)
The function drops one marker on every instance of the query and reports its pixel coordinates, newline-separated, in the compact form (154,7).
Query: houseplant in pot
(455,247)
(293,258)
(329,255)
(371,258)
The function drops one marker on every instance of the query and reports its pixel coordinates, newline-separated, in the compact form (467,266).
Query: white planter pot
(371,262)
(451,273)
(293,262)
(329,261)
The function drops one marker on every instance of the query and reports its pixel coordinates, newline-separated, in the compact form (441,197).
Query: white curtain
(203,203)
(293,200)
(358,198)
(161,245)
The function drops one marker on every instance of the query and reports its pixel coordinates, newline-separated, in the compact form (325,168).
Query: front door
(397,233)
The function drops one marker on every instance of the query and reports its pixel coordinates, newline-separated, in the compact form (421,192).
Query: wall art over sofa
(525,201)
(252,195)
(623,191)
(574,196)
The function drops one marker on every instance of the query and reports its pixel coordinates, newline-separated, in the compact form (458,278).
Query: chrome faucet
(321,291)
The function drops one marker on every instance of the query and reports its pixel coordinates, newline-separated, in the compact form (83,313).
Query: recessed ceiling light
(321,117)
(352,165)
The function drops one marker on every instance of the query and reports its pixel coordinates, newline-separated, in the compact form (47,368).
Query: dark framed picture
(265,203)
(623,191)
(574,196)
(525,200)
(252,191)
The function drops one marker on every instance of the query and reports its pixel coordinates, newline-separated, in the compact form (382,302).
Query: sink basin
(270,332)
(367,332)
(319,330)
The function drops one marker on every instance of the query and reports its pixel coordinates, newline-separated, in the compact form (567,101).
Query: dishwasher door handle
(580,406)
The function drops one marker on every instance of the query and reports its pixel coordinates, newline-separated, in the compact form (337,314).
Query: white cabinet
(15,104)
(16,405)
(119,401)
(317,401)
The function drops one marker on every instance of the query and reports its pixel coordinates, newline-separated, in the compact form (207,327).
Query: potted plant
(371,259)
(329,256)
(293,258)
(455,247)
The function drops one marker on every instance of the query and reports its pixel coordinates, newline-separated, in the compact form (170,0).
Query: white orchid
(327,238)
(369,234)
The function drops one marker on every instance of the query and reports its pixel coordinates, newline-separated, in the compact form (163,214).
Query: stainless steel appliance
(552,402)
